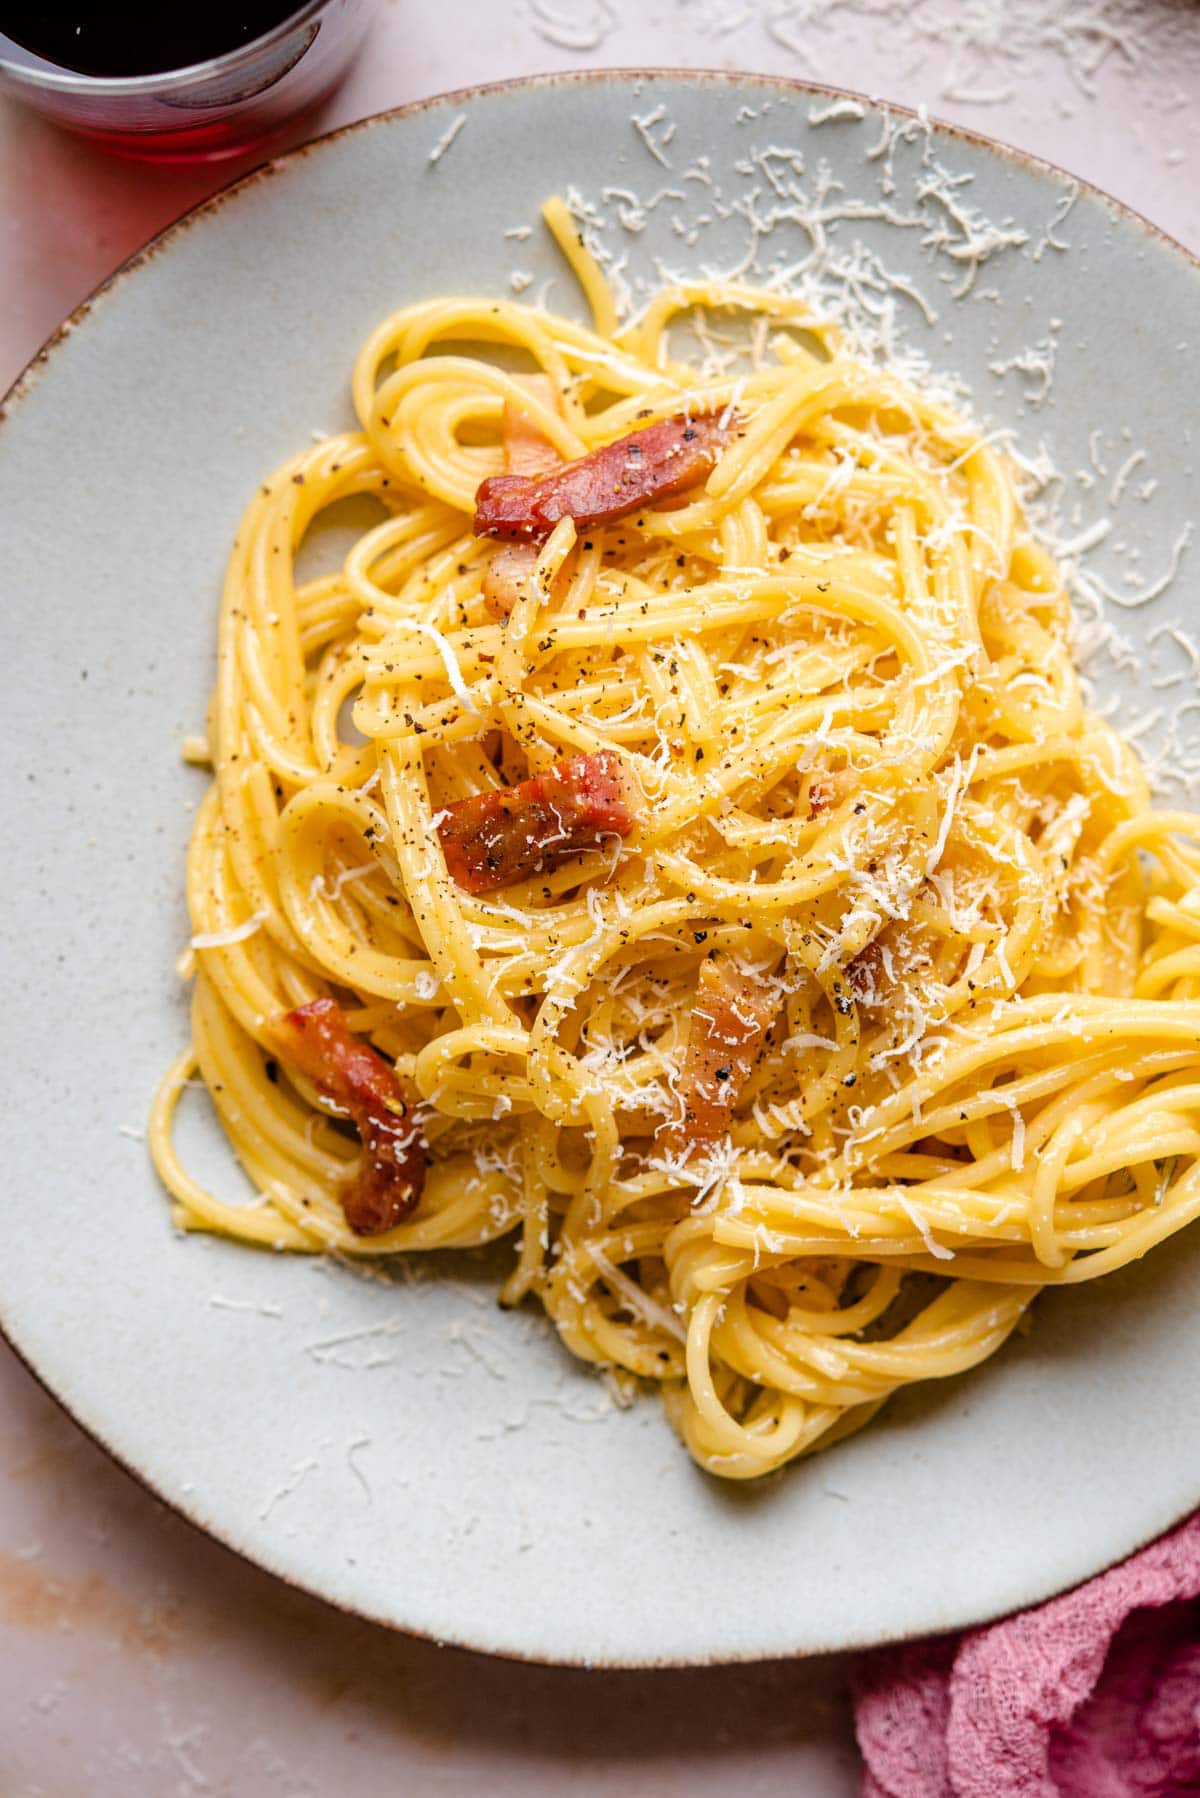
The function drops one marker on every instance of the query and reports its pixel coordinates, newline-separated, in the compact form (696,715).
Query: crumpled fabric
(1093,1695)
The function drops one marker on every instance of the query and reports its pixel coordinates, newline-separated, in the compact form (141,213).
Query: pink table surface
(138,1658)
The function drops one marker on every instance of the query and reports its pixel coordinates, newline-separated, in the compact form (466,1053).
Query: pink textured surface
(1094,1695)
(135,1656)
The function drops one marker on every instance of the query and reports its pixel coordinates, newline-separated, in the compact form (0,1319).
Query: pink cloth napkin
(1093,1695)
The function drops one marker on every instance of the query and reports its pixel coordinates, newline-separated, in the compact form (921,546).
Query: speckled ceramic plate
(400,1446)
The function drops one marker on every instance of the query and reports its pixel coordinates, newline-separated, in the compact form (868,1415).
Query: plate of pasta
(606,759)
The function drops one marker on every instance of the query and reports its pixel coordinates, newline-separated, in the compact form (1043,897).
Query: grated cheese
(236,933)
(446,139)
(298,1475)
(836,109)
(571,29)
(1017,1153)
(644,125)
(921,1222)
(1131,602)
(636,1299)
(445,649)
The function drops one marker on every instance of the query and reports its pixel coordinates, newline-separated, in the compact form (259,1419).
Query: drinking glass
(209,109)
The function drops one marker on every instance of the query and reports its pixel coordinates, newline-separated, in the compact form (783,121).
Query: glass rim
(71,81)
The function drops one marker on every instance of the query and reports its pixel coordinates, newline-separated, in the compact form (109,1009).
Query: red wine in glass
(117,41)
(172,83)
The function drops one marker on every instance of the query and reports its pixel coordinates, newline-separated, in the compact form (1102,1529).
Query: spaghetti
(875,1010)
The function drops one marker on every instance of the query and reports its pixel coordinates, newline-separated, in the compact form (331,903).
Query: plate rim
(26,379)
(181,1504)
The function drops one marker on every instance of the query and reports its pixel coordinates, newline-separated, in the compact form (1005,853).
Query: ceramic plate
(397,1444)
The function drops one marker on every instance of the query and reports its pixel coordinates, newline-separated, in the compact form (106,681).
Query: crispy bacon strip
(650,464)
(511,565)
(493,839)
(316,1039)
(733,1011)
(527,451)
